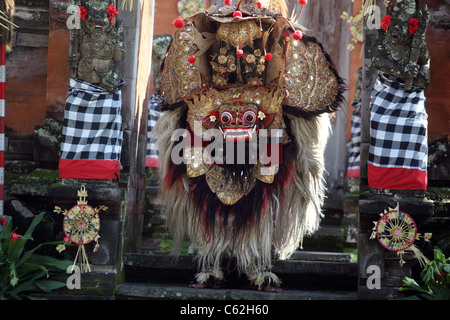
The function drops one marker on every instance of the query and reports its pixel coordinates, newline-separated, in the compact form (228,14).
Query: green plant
(23,272)
(435,277)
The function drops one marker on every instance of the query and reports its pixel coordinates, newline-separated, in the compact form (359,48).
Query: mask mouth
(239,133)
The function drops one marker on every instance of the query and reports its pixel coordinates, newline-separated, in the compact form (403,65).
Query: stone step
(321,256)
(329,238)
(307,262)
(183,292)
(141,267)
(152,190)
(329,231)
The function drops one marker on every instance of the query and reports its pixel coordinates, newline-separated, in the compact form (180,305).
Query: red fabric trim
(151,162)
(353,173)
(2,90)
(396,178)
(89,169)
(2,54)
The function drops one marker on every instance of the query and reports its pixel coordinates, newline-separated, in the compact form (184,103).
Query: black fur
(248,210)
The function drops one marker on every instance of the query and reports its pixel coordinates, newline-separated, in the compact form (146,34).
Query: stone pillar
(106,262)
(334,37)
(47,136)
(58,51)
(121,223)
(138,30)
(370,252)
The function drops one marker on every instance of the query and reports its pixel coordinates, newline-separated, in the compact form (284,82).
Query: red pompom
(297,35)
(237,14)
(178,23)
(268,56)
(239,53)
(386,22)
(191,59)
(303,2)
(258,4)
(227,2)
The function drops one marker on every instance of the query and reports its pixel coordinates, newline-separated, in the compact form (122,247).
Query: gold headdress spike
(297,11)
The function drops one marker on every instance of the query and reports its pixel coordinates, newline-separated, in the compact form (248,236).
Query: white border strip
(2,73)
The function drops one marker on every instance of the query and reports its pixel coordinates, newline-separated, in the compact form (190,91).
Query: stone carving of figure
(398,118)
(97,49)
(401,50)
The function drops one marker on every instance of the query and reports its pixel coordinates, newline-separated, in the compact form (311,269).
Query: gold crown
(204,54)
(267,99)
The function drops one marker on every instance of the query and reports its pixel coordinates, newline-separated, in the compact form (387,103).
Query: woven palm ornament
(397,231)
(81,226)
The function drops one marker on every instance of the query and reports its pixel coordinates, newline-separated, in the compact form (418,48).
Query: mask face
(238,113)
(238,123)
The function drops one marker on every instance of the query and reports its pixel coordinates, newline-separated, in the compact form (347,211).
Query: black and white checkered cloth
(92,123)
(353,167)
(154,113)
(398,126)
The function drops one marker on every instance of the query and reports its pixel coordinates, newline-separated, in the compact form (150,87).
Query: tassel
(401,262)
(423,261)
(373,235)
(82,260)
(96,244)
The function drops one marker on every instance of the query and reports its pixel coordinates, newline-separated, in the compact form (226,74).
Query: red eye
(250,116)
(225,117)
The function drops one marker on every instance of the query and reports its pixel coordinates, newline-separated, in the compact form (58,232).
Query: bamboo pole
(2,124)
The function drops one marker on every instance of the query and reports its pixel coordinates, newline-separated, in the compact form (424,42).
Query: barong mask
(244,75)
(239,68)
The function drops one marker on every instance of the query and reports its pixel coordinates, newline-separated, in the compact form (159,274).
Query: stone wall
(26,81)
